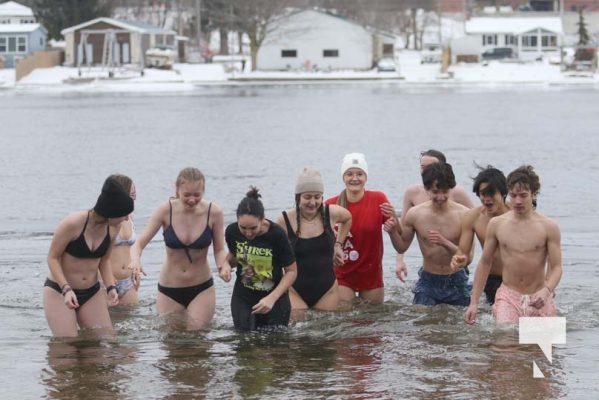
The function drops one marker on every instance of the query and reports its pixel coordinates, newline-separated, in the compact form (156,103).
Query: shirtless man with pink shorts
(530,250)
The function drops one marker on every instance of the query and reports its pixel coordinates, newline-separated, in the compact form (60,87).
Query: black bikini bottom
(83,295)
(185,295)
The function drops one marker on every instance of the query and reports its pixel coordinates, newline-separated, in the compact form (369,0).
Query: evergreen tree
(583,33)
(56,15)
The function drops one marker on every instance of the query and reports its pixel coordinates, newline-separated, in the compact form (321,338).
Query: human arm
(267,302)
(218,237)
(554,265)
(482,272)
(343,219)
(401,269)
(64,233)
(152,226)
(105,268)
(224,269)
(463,255)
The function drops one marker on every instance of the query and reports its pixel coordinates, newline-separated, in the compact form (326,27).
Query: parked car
(386,65)
(161,57)
(431,53)
(498,53)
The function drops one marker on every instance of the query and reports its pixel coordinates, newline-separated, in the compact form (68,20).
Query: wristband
(66,290)
(109,288)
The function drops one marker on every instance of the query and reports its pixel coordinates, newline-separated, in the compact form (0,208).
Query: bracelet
(109,288)
(338,242)
(66,290)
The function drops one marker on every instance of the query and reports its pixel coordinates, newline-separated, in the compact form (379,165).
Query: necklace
(309,220)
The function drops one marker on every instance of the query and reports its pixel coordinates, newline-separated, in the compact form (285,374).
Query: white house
(15,13)
(531,37)
(312,39)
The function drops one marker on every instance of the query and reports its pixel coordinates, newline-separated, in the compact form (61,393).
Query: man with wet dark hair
(490,185)
(436,224)
(417,194)
(530,254)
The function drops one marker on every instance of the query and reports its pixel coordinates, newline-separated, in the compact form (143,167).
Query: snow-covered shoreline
(187,76)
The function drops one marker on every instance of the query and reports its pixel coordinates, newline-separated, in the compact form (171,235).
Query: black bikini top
(172,241)
(79,248)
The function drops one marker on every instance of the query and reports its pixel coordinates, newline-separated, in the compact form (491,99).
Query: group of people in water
(322,254)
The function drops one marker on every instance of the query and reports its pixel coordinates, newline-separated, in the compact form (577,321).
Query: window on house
(548,40)
(489,40)
(21,44)
(2,44)
(529,41)
(330,53)
(510,40)
(288,53)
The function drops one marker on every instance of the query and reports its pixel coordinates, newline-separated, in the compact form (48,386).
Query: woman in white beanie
(362,272)
(309,227)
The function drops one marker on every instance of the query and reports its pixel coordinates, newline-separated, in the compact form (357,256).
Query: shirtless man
(529,247)
(436,224)
(490,186)
(416,194)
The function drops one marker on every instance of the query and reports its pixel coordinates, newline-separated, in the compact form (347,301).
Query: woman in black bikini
(80,247)
(189,224)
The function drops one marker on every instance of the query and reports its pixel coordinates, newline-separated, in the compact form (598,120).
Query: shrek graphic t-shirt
(260,261)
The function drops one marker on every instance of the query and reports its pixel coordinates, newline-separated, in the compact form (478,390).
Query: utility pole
(199,23)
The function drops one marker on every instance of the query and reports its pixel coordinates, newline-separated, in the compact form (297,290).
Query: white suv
(430,53)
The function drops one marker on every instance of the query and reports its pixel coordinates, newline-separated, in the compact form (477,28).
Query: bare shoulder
(550,224)
(413,190)
(417,210)
(471,215)
(72,224)
(75,219)
(459,195)
(290,214)
(215,209)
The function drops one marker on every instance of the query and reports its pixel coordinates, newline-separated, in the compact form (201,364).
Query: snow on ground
(185,76)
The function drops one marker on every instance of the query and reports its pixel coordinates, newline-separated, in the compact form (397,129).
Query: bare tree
(255,18)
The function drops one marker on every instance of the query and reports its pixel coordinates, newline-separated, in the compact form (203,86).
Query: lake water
(57,148)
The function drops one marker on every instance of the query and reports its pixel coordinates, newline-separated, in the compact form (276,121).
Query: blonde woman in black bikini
(190,224)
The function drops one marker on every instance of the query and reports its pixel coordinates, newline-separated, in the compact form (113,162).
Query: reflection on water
(392,351)
(82,367)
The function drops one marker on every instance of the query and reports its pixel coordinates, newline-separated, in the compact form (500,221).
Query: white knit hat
(354,160)
(309,180)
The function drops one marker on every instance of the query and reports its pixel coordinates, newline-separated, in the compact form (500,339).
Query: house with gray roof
(20,35)
(85,43)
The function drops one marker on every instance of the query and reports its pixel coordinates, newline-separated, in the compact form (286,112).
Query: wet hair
(494,178)
(297,212)
(190,174)
(440,173)
(251,204)
(124,180)
(525,176)
(434,153)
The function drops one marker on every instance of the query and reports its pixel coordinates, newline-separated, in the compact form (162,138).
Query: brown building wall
(97,40)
